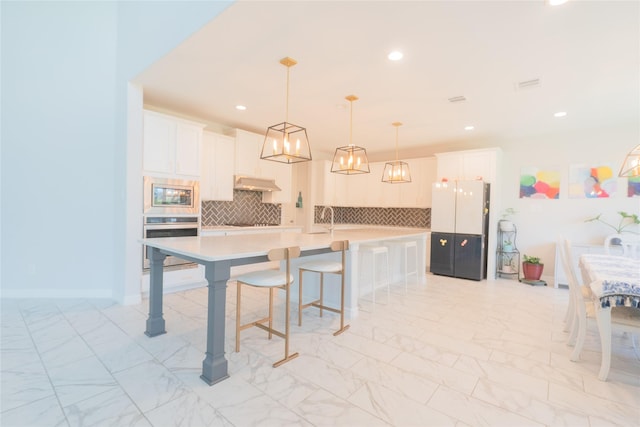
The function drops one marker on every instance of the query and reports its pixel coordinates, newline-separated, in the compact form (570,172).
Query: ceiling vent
(528,84)
(457,99)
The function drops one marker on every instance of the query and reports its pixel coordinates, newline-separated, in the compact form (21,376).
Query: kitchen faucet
(322,216)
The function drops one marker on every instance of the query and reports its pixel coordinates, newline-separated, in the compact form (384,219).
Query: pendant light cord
(397,158)
(286,111)
(351,123)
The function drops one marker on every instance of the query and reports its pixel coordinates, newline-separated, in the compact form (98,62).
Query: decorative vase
(532,271)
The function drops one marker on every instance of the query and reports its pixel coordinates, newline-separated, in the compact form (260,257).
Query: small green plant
(507,243)
(626,220)
(531,259)
(508,213)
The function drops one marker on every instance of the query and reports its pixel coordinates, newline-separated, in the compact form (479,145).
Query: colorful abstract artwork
(538,183)
(591,182)
(633,187)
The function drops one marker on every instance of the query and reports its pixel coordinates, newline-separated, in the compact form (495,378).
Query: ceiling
(584,53)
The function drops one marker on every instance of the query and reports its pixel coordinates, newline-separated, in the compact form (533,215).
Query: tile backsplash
(246,208)
(402,217)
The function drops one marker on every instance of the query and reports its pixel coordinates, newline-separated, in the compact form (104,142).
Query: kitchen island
(219,253)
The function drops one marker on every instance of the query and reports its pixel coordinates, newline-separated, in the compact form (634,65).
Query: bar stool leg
(238,317)
(300,298)
(321,292)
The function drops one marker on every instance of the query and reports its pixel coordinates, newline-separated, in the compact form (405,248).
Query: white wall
(65,68)
(540,222)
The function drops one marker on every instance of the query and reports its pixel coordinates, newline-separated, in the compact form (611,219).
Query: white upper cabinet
(324,183)
(248,147)
(218,152)
(468,165)
(171,146)
(248,163)
(368,190)
(423,174)
(357,187)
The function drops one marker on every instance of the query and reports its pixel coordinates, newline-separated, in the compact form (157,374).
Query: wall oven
(165,226)
(164,196)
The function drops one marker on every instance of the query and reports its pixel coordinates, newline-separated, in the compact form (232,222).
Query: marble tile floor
(446,353)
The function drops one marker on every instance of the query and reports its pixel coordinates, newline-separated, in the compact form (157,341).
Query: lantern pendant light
(350,159)
(631,166)
(396,172)
(286,142)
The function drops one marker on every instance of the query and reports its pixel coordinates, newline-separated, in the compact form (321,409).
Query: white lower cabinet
(190,278)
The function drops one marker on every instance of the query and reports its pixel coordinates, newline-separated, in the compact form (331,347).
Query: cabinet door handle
(443,242)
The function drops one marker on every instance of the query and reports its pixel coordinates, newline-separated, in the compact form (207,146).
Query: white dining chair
(325,267)
(271,279)
(623,319)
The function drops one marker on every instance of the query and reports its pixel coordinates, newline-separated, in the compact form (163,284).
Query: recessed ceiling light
(560,114)
(469,127)
(396,55)
(459,98)
(241,107)
(556,2)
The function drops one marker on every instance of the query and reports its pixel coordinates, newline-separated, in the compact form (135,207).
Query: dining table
(614,281)
(219,253)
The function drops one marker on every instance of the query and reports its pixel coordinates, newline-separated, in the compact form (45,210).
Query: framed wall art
(539,183)
(592,182)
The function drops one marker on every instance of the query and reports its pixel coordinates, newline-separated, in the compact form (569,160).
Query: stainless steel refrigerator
(459,225)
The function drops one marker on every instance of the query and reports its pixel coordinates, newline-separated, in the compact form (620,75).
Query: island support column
(155,321)
(214,365)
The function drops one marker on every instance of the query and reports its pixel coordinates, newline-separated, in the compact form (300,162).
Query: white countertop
(235,227)
(217,248)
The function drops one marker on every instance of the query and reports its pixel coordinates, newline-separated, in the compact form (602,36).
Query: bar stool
(271,279)
(404,246)
(376,251)
(324,267)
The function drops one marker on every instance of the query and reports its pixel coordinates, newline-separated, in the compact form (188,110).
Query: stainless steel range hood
(249,183)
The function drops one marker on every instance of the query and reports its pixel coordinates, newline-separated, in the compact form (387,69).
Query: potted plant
(532,268)
(626,220)
(507,245)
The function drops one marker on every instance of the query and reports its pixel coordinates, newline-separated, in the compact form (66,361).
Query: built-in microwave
(165,196)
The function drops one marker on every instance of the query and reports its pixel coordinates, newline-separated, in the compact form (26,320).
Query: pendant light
(286,142)
(350,159)
(396,172)
(631,166)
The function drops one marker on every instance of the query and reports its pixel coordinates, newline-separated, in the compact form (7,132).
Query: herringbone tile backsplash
(246,208)
(399,217)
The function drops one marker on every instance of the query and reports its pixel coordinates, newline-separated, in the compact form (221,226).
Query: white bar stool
(326,267)
(376,252)
(404,246)
(270,279)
